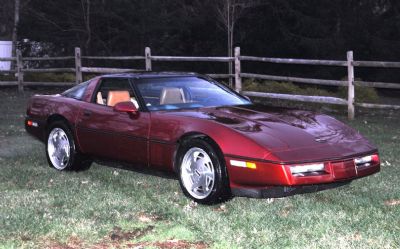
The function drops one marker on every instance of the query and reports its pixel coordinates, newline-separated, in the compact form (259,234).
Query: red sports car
(217,141)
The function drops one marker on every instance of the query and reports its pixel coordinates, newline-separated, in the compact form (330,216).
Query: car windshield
(174,93)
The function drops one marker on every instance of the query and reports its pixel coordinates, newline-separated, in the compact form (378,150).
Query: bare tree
(228,13)
(14,37)
(75,20)
(86,19)
(17,5)
(6,19)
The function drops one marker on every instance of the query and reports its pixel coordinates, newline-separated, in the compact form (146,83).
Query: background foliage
(276,28)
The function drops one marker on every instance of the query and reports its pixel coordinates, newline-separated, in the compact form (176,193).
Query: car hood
(291,135)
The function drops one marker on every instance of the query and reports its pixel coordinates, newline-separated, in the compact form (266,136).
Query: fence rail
(48,70)
(8,59)
(302,98)
(194,59)
(238,75)
(295,61)
(62,58)
(383,64)
(114,57)
(106,70)
(377,84)
(295,79)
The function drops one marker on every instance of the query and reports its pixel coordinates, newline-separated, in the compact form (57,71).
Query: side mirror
(127,107)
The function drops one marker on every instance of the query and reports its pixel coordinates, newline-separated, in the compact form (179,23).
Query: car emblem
(320,140)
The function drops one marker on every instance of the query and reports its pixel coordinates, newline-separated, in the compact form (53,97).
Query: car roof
(145,74)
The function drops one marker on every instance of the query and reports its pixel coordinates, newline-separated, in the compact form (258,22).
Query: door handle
(87,113)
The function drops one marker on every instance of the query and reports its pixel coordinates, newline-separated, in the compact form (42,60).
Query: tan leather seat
(100,100)
(115,97)
(172,95)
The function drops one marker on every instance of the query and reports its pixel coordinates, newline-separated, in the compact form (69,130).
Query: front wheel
(202,173)
(61,151)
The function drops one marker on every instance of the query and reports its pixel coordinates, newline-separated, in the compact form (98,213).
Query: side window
(164,91)
(113,91)
(76,92)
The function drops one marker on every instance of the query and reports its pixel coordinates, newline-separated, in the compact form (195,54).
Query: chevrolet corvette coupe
(217,141)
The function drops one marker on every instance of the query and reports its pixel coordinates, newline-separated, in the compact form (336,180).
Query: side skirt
(142,169)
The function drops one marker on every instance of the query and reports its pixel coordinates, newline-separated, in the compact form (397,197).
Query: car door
(105,133)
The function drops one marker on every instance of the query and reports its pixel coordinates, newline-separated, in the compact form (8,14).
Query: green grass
(106,207)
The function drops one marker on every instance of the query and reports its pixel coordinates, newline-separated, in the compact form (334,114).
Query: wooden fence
(238,75)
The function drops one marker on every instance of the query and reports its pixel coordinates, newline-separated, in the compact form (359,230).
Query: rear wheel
(202,173)
(61,150)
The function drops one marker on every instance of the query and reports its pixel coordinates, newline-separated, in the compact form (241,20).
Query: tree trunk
(14,38)
(230,54)
(229,35)
(86,18)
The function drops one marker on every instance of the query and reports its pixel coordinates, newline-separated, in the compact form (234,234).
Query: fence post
(238,79)
(351,92)
(78,66)
(20,74)
(147,54)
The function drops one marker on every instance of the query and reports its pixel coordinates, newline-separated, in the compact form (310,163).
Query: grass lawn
(106,207)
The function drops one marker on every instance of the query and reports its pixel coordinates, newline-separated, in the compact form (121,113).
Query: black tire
(77,161)
(220,191)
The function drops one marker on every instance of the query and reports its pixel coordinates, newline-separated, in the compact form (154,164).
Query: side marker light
(243,164)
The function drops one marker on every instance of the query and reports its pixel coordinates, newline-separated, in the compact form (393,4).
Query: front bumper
(283,191)
(270,179)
